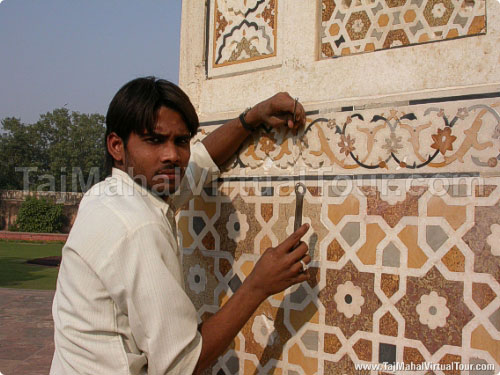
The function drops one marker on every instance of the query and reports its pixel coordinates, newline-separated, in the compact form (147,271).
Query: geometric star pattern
(436,304)
(356,26)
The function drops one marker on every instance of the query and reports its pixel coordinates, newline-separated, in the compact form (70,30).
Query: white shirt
(120,305)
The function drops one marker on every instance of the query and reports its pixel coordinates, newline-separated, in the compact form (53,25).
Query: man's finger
(300,117)
(276,121)
(281,102)
(295,237)
(298,252)
(302,114)
(301,277)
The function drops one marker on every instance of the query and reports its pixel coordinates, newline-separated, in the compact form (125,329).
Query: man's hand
(277,111)
(280,110)
(277,269)
(280,267)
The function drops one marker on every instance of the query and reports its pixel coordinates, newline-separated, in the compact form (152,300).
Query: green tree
(20,146)
(76,147)
(64,150)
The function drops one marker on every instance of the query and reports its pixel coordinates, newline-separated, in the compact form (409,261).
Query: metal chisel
(300,191)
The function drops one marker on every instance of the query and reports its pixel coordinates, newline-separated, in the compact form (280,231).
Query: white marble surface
(417,70)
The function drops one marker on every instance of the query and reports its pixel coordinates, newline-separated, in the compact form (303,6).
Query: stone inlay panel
(449,136)
(243,31)
(351,311)
(355,26)
(405,267)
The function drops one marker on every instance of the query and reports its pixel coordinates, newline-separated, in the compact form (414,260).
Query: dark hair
(135,107)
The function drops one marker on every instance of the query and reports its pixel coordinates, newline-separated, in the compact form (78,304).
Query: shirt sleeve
(144,281)
(201,170)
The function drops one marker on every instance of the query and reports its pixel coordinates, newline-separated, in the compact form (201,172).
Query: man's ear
(116,148)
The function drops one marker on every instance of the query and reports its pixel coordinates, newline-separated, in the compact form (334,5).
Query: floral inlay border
(456,136)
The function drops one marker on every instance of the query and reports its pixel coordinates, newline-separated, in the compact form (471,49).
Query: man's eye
(153,140)
(183,141)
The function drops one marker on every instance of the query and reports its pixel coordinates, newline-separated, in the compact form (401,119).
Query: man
(120,305)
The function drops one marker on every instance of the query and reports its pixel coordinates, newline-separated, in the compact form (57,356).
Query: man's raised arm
(277,111)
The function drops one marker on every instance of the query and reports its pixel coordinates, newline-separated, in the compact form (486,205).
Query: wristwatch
(243,122)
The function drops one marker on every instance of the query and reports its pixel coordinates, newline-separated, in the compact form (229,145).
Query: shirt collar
(158,201)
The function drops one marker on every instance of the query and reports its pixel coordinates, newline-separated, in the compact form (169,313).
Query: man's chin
(164,186)
(165,189)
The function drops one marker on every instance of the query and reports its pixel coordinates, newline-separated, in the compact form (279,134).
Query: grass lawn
(16,273)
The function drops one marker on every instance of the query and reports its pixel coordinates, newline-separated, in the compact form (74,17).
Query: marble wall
(403,203)
(400,156)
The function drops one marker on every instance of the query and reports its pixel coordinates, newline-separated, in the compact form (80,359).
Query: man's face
(159,160)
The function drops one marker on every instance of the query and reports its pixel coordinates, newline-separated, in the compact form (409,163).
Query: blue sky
(56,53)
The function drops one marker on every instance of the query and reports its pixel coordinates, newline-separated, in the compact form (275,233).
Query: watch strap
(243,122)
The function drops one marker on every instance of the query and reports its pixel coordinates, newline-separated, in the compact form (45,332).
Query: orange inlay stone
(449,359)
(454,260)
(183,226)
(423,38)
(332,343)
(409,236)
(210,208)
(296,357)
(410,16)
(247,267)
(250,368)
(266,210)
(383,20)
(334,252)
(285,191)
(481,339)
(477,26)
(346,51)
(389,284)
(367,253)
(453,33)
(280,296)
(334,29)
(223,298)
(369,47)
(265,243)
(363,349)
(350,206)
(454,215)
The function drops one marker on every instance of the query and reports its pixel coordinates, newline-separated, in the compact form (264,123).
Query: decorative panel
(242,31)
(406,265)
(354,26)
(448,135)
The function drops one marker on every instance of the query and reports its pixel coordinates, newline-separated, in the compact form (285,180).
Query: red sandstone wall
(44,237)
(10,202)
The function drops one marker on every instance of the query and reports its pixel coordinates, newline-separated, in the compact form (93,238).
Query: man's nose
(170,154)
